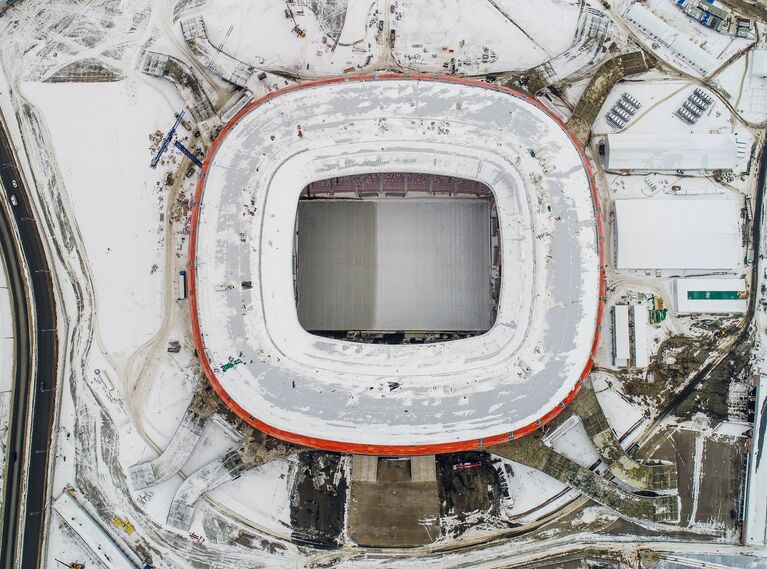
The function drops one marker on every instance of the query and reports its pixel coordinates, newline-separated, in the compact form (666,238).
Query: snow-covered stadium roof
(652,153)
(677,234)
(395,399)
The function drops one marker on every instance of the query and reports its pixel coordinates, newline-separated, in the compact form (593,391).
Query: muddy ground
(319,498)
(468,491)
(680,357)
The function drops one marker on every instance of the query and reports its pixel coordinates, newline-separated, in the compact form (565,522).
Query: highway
(34,391)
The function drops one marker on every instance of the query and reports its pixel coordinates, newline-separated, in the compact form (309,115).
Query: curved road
(35,378)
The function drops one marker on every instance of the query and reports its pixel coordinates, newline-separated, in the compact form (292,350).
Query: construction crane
(166,140)
(188,153)
(296,28)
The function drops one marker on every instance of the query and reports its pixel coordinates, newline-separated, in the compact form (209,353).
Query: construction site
(458,284)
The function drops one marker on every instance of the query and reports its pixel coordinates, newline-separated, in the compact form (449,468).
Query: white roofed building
(621,348)
(681,46)
(710,296)
(678,234)
(650,152)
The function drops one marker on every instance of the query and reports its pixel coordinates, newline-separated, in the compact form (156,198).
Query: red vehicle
(466,465)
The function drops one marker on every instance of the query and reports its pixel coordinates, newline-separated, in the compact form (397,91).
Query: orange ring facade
(391,450)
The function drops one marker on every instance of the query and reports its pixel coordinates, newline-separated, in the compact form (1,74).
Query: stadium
(396,265)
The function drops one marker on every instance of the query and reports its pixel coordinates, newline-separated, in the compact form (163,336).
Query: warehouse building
(639,319)
(681,46)
(651,153)
(710,296)
(621,346)
(678,234)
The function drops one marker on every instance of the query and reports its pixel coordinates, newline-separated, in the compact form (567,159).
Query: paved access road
(24,513)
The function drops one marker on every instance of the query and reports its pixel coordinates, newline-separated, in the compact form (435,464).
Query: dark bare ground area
(319,498)
(676,359)
(469,490)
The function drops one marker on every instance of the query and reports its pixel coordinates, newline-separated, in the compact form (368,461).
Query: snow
(621,414)
(647,152)
(448,391)
(680,40)
(262,495)
(684,233)
(100,543)
(482,36)
(116,201)
(620,335)
(573,442)
(6,364)
(755,523)
(640,319)
(529,489)
(129,303)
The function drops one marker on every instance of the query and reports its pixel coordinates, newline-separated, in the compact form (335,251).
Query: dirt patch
(319,498)
(469,486)
(712,396)
(677,359)
(394,511)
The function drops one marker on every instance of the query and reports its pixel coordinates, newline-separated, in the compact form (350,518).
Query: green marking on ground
(713,295)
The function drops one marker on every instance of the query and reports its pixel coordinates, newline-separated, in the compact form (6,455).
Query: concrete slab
(364,468)
(394,512)
(423,468)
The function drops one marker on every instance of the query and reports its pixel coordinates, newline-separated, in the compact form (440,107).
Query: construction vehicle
(123,524)
(71,564)
(296,28)
(659,311)
(167,139)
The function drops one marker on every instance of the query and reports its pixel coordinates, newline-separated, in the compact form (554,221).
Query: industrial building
(621,346)
(710,296)
(755,518)
(682,47)
(639,320)
(678,234)
(647,152)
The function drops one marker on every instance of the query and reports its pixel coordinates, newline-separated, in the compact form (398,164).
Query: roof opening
(397,258)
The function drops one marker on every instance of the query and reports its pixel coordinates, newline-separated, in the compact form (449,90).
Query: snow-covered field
(101,135)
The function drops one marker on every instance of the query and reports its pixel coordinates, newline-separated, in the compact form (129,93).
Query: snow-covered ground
(101,134)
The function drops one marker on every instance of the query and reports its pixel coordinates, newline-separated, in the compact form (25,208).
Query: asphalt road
(34,395)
